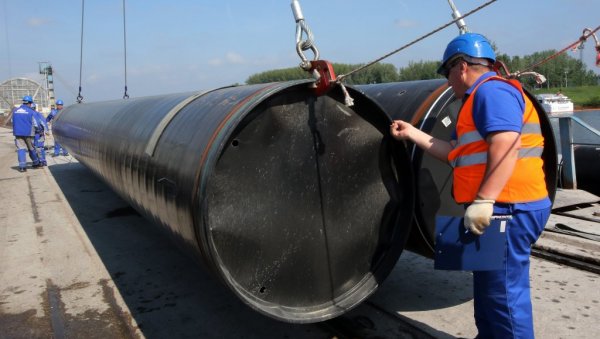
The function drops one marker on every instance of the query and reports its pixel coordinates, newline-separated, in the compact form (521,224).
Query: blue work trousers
(25,145)
(502,298)
(38,141)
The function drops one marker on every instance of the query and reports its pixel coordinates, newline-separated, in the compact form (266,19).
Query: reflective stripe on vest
(481,157)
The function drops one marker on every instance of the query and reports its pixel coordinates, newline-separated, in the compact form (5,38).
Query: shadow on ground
(169,295)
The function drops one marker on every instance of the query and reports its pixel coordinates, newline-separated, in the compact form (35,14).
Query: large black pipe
(299,204)
(587,160)
(431,106)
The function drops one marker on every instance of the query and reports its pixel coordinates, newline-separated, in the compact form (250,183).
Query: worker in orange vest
(496,154)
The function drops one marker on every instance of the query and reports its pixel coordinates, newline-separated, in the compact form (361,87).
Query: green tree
(374,74)
(421,70)
(561,70)
(286,74)
(377,73)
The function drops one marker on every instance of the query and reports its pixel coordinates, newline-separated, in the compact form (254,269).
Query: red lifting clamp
(586,34)
(324,75)
(499,67)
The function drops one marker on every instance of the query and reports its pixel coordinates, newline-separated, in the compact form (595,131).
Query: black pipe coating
(299,204)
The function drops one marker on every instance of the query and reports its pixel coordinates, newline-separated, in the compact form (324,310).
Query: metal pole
(568,154)
(462,26)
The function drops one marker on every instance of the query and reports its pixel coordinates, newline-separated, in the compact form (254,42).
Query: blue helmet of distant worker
(59,102)
(27,99)
(470,44)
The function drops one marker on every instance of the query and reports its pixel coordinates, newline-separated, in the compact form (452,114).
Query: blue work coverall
(24,125)
(40,137)
(502,299)
(57,146)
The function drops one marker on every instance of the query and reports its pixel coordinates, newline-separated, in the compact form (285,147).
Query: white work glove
(479,215)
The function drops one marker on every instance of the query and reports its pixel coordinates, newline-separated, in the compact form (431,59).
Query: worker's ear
(463,66)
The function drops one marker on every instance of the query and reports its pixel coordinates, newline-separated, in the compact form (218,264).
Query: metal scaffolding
(13,90)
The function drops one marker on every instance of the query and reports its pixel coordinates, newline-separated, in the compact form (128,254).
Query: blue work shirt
(498,107)
(24,122)
(52,114)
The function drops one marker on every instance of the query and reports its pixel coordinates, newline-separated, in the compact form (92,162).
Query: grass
(582,96)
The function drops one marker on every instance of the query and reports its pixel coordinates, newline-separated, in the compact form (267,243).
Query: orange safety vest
(469,157)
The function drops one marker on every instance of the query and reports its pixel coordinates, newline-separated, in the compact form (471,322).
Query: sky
(184,45)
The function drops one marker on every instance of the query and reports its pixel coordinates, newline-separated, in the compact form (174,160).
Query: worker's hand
(400,130)
(479,215)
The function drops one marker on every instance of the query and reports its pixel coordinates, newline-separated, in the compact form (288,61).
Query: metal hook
(79,96)
(586,34)
(305,64)
(303,45)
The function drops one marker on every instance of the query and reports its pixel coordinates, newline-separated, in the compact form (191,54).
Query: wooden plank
(566,197)
(590,213)
(574,223)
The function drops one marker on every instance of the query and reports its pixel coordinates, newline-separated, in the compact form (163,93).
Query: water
(581,135)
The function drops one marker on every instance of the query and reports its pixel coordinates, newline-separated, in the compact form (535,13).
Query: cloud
(235,58)
(405,23)
(230,58)
(37,22)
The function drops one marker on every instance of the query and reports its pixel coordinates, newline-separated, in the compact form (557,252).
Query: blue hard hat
(471,44)
(59,102)
(27,98)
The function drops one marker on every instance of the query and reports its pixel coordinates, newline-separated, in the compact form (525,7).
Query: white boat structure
(555,103)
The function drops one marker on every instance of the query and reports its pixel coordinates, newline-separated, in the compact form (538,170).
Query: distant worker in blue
(40,135)
(496,155)
(24,125)
(52,115)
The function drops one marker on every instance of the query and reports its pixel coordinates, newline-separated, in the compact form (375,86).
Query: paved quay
(77,262)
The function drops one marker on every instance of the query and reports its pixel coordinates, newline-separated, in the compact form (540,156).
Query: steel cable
(581,40)
(125,95)
(340,78)
(79,96)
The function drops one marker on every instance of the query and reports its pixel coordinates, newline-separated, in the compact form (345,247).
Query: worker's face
(59,106)
(456,75)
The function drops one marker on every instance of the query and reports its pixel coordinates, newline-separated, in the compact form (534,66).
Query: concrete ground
(77,261)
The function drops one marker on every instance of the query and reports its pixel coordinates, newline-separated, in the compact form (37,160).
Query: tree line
(560,71)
